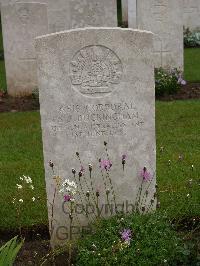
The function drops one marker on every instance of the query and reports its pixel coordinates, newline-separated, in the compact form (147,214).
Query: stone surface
(21,23)
(58,13)
(132,14)
(67,14)
(191,15)
(85,13)
(164,19)
(96,85)
(124,4)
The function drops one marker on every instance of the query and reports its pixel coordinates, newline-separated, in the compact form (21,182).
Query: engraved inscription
(95,70)
(86,121)
(24,15)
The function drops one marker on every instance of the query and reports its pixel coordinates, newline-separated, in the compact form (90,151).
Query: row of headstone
(164,19)
(191,13)
(23,21)
(97,100)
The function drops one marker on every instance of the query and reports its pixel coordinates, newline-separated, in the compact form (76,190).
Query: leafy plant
(191,38)
(9,251)
(167,81)
(133,240)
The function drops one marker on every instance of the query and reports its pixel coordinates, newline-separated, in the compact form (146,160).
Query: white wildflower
(27,179)
(13,200)
(69,187)
(21,200)
(32,187)
(61,190)
(21,178)
(33,198)
(19,186)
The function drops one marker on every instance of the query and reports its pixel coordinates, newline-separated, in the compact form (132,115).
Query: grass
(1,37)
(21,153)
(2,76)
(192,64)
(178,131)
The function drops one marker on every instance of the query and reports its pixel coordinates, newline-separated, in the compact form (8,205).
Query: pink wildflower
(126,236)
(67,198)
(105,164)
(145,174)
(124,156)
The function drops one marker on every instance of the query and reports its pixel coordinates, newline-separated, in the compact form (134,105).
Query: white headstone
(85,13)
(164,19)
(96,85)
(67,14)
(132,14)
(21,23)
(191,15)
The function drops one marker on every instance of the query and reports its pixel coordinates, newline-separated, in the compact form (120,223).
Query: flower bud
(90,167)
(107,191)
(73,171)
(80,173)
(51,164)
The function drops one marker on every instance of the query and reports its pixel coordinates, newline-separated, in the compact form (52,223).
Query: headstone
(21,23)
(57,10)
(67,14)
(124,7)
(191,15)
(164,19)
(96,85)
(132,14)
(95,13)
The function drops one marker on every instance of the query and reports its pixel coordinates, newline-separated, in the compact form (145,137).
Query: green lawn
(21,154)
(192,64)
(178,131)
(1,38)
(2,76)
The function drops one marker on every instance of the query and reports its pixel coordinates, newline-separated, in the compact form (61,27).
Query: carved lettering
(93,120)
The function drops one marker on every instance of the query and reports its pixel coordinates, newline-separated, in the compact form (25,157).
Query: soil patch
(187,92)
(36,249)
(11,104)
